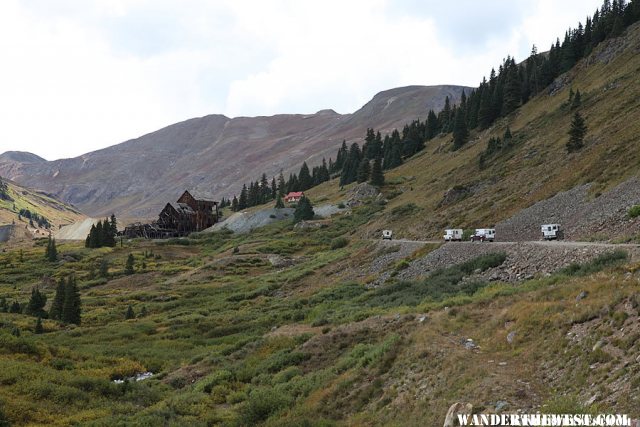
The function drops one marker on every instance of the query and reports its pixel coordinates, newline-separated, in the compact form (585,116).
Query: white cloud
(78,75)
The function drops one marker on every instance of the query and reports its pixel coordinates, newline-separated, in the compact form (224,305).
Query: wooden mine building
(186,216)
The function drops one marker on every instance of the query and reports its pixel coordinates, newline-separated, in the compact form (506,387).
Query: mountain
(534,180)
(213,155)
(15,223)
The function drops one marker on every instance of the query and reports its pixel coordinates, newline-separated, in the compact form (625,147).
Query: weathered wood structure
(187,215)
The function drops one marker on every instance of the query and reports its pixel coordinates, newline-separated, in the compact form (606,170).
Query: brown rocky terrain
(212,155)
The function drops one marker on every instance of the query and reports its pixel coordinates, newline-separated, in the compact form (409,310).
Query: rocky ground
(525,260)
(582,217)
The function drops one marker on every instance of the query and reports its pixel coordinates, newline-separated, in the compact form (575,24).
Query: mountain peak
(20,157)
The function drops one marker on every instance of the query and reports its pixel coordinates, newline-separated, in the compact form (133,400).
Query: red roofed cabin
(293,197)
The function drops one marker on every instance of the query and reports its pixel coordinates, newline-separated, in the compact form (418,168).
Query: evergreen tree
(234,204)
(279,203)
(51,252)
(35,306)
(304,210)
(71,308)
(103,269)
(377,177)
(274,188)
(577,100)
(129,265)
(38,329)
(130,313)
(243,202)
(364,170)
(577,133)
(282,185)
(55,312)
(304,178)
(99,238)
(15,307)
(460,131)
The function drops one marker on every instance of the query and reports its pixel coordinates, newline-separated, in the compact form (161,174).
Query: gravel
(603,217)
(525,260)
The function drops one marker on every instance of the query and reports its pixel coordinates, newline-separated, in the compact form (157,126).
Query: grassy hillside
(538,165)
(276,327)
(54,211)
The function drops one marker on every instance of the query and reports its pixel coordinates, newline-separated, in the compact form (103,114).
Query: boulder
(451,420)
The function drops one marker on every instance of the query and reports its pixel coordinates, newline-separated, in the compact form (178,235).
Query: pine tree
(577,133)
(279,203)
(243,202)
(35,306)
(71,308)
(364,170)
(274,188)
(15,307)
(55,312)
(577,100)
(130,313)
(460,131)
(234,204)
(39,329)
(282,185)
(304,178)
(51,252)
(103,269)
(304,210)
(129,267)
(377,177)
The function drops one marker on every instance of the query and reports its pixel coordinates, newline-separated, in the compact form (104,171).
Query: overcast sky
(78,75)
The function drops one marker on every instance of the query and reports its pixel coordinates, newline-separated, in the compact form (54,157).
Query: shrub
(403,210)
(339,242)
(341,205)
(262,403)
(634,211)
(603,261)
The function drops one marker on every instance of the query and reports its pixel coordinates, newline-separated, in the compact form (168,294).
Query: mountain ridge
(214,154)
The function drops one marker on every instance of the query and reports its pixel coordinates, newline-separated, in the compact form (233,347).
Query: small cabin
(453,235)
(551,231)
(293,197)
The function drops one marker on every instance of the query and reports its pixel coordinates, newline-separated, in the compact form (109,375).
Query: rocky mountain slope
(535,181)
(212,155)
(17,226)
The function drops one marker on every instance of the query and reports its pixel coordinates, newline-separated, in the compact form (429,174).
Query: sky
(80,75)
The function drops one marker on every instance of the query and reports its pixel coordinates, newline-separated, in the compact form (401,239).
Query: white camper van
(484,235)
(387,234)
(551,232)
(453,235)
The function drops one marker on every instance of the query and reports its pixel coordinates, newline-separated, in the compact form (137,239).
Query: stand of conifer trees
(102,234)
(66,305)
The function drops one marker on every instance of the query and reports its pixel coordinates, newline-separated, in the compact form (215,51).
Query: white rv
(387,234)
(551,232)
(484,235)
(453,235)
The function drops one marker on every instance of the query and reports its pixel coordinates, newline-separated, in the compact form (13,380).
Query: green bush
(634,211)
(262,403)
(339,242)
(603,261)
(403,210)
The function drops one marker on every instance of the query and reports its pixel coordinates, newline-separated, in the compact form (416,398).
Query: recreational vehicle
(387,234)
(484,235)
(453,235)
(551,232)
